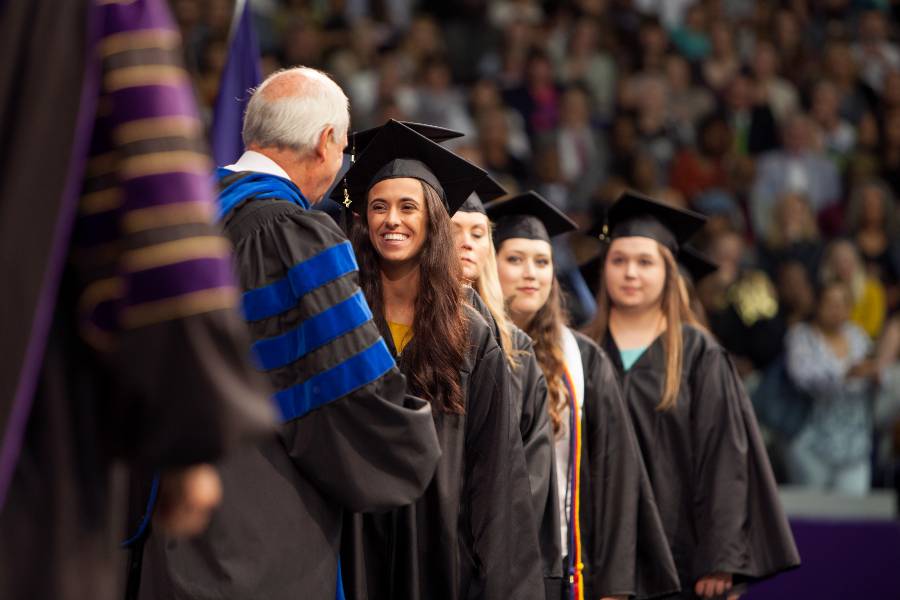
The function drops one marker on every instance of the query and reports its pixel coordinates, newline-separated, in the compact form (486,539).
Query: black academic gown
(470,535)
(708,466)
(624,547)
(529,393)
(277,534)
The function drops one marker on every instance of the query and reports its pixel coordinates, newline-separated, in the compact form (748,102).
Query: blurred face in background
(722,39)
(678,73)
(867,134)
(634,273)
(584,38)
(728,252)
(834,307)
(471,233)
(826,103)
(787,31)
(765,60)
(525,268)
(844,261)
(493,131)
(873,209)
(738,93)
(715,138)
(797,134)
(794,217)
(576,109)
(484,95)
(795,290)
(839,64)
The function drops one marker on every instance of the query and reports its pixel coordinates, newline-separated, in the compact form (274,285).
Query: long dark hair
(545,331)
(432,358)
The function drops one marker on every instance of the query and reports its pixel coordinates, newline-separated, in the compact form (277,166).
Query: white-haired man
(351,439)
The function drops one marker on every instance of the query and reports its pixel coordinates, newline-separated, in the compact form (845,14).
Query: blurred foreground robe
(719,503)
(121,346)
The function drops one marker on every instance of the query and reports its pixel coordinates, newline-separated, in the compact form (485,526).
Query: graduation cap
(489,189)
(634,215)
(360,139)
(397,151)
(698,265)
(528,216)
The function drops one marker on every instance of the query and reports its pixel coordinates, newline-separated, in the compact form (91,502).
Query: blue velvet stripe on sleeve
(355,372)
(302,278)
(313,333)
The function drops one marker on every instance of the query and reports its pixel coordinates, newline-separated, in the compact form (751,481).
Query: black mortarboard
(486,191)
(358,140)
(528,216)
(698,265)
(398,151)
(634,215)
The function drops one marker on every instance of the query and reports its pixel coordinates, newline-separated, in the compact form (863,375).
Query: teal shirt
(630,356)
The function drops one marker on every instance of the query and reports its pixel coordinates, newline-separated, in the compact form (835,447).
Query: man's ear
(322,145)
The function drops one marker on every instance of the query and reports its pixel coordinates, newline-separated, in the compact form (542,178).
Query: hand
(715,584)
(187,498)
(863,369)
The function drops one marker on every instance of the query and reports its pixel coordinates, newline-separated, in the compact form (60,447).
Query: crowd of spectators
(780,120)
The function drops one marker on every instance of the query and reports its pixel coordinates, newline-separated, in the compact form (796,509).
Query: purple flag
(241,73)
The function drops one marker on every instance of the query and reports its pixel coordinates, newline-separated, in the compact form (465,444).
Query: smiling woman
(397,217)
(469,535)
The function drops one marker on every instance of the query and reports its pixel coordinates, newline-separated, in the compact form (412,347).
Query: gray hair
(291,109)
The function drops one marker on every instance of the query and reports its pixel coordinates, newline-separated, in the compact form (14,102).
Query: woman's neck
(521,320)
(636,328)
(400,288)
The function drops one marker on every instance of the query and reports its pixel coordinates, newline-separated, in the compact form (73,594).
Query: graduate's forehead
(634,246)
(526,247)
(397,188)
(469,220)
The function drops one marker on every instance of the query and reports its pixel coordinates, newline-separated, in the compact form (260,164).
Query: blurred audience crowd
(780,120)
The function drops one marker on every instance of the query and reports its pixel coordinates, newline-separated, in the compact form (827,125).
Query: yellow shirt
(401,335)
(869,312)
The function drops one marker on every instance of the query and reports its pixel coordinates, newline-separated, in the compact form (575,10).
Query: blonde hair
(488,287)
(677,311)
(809,229)
(857,284)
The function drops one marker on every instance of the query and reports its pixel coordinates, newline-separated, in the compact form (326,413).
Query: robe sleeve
(158,297)
(740,524)
(502,529)
(626,551)
(348,424)
(536,431)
